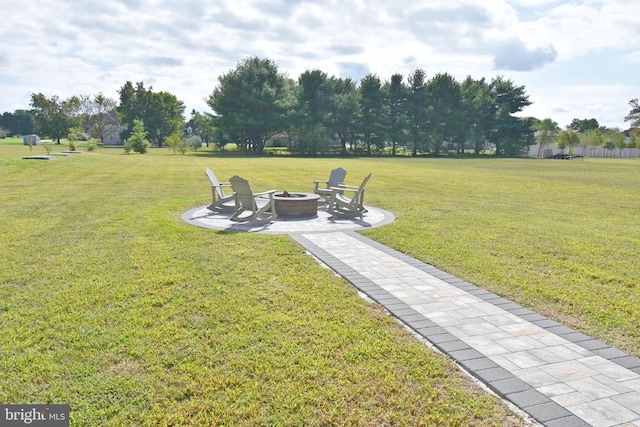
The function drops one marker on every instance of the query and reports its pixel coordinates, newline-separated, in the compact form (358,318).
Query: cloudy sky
(577,59)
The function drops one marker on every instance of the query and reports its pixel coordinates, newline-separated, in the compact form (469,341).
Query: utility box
(34,139)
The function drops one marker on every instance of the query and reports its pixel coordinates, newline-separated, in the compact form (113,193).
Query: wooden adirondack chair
(249,207)
(341,205)
(336,178)
(220,200)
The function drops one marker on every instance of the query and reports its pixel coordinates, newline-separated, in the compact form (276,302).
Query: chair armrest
(317,184)
(265,193)
(344,187)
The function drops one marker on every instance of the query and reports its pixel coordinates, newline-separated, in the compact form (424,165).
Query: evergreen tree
(138,140)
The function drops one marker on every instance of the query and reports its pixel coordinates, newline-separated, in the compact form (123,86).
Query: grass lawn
(110,303)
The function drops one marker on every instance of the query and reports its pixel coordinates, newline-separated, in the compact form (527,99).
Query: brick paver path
(558,376)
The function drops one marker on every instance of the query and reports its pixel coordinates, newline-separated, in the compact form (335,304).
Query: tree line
(255,101)
(318,113)
(99,116)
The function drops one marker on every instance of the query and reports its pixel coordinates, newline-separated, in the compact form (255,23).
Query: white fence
(550,150)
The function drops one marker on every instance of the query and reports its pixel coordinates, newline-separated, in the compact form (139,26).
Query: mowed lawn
(109,302)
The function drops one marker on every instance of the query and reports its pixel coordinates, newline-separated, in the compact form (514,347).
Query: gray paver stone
(431,331)
(414,318)
(571,421)
(511,306)
(610,353)
(561,330)
(466,354)
(401,313)
(396,305)
(545,323)
(533,317)
(548,412)
(420,324)
(576,337)
(628,362)
(493,374)
(454,345)
(479,364)
(525,399)
(592,344)
(522,312)
(509,386)
(437,339)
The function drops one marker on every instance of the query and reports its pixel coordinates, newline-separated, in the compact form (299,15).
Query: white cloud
(517,56)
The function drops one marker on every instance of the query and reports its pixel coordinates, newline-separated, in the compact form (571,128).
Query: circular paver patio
(323,222)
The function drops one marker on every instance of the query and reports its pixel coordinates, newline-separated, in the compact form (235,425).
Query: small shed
(111,135)
(31,138)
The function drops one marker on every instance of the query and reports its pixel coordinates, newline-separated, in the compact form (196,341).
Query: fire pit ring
(296,205)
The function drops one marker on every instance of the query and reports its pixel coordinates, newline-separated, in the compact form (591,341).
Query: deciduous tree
(546,132)
(567,139)
(54,117)
(161,112)
(203,126)
(592,138)
(615,138)
(102,119)
(20,122)
(584,125)
(634,114)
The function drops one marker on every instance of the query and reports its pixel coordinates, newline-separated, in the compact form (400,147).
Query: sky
(576,59)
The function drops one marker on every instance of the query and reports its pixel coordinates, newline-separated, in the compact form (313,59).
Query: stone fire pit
(296,205)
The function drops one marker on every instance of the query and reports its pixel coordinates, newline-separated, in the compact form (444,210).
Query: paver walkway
(555,374)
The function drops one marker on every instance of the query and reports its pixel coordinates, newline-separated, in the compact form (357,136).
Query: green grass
(109,302)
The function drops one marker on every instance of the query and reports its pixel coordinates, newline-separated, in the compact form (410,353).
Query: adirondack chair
(254,208)
(220,200)
(336,178)
(341,205)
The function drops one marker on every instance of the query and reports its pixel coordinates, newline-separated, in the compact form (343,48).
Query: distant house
(111,135)
(278,140)
(31,138)
(194,139)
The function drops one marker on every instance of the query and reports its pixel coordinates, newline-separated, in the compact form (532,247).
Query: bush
(194,144)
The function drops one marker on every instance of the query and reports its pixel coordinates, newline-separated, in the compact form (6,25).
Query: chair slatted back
(336,177)
(215,184)
(243,193)
(358,197)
